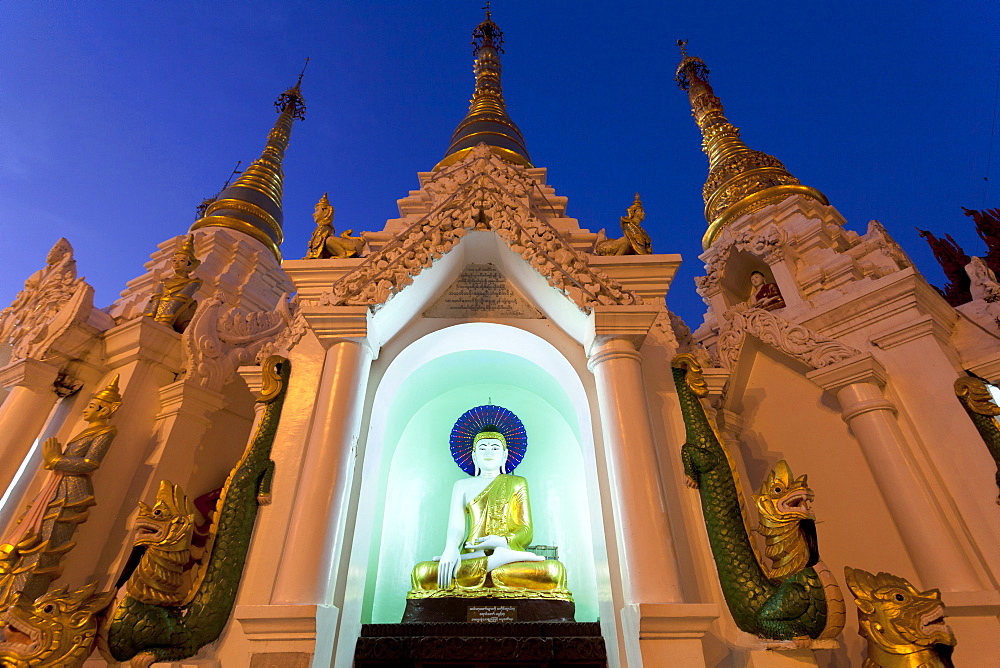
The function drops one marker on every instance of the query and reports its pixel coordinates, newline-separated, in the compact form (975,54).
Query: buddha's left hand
(490,542)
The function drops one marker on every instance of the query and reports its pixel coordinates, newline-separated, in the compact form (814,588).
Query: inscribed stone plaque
(492,613)
(482,291)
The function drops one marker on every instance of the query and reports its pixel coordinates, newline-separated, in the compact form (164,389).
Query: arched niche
(735,281)
(408,471)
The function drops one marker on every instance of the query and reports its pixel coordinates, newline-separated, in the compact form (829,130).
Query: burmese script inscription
(492,613)
(482,291)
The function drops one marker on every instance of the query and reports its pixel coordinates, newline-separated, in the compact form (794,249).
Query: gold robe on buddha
(501,509)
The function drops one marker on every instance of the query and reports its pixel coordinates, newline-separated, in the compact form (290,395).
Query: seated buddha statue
(763,294)
(489,529)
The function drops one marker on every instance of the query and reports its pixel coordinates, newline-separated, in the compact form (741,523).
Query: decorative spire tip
(691,68)
(292,98)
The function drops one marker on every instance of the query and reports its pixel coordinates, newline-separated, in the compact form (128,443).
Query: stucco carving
(52,301)
(793,339)
(983,282)
(766,245)
(715,265)
(881,240)
(478,195)
(222,338)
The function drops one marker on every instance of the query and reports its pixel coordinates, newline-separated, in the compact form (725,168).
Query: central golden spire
(252,205)
(487,120)
(740,180)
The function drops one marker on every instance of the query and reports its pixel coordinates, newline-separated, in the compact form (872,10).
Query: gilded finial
(487,120)
(302,73)
(740,180)
(110,394)
(252,205)
(291,100)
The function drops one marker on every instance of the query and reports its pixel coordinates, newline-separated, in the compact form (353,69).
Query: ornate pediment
(49,317)
(795,340)
(478,193)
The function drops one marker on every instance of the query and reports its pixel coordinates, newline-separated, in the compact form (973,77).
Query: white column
(640,509)
(645,548)
(930,542)
(23,412)
(314,537)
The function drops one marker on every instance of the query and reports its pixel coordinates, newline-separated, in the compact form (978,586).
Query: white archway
(407,472)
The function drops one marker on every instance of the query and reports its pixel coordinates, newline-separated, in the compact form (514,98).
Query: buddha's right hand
(447,567)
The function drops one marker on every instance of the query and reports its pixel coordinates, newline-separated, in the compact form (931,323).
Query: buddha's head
(489,450)
(756,279)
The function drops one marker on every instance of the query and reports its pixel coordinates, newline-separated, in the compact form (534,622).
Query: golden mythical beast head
(58,629)
(783,497)
(169,523)
(787,521)
(899,620)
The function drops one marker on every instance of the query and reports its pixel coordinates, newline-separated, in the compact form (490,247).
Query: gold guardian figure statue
(635,241)
(64,501)
(324,243)
(173,303)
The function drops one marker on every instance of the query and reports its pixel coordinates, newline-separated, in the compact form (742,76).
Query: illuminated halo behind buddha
(486,555)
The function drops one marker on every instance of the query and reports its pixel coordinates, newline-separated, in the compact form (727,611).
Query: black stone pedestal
(481,645)
(447,609)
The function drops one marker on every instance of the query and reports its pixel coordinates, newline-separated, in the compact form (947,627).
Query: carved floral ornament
(221,338)
(53,298)
(494,200)
(766,244)
(796,340)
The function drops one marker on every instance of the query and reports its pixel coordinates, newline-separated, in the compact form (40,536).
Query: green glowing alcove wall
(417,471)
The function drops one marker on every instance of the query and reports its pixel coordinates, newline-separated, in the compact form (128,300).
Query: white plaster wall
(788,417)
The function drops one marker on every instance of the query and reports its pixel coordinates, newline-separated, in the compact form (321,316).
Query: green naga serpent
(978,403)
(147,632)
(800,603)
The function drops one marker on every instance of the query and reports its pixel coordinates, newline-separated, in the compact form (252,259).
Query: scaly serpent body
(168,633)
(776,609)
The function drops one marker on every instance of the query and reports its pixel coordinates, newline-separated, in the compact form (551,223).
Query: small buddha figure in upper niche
(763,294)
(485,553)
(323,243)
(173,303)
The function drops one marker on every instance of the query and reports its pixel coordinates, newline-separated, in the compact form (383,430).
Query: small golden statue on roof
(173,303)
(323,243)
(635,242)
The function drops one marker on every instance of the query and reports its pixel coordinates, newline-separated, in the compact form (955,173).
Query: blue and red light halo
(473,421)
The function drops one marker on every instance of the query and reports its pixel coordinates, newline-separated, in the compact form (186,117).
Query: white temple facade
(483,291)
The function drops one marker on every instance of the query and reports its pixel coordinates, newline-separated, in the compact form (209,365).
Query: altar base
(447,609)
(483,645)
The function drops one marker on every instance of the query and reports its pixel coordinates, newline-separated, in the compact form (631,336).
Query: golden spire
(740,180)
(487,120)
(252,205)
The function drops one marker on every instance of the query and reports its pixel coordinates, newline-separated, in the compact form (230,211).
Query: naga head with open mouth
(169,522)
(899,620)
(58,629)
(784,507)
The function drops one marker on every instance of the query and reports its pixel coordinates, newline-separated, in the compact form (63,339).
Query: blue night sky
(118,118)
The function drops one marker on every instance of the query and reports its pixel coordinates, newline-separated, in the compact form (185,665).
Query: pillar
(24,412)
(935,549)
(653,606)
(313,542)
